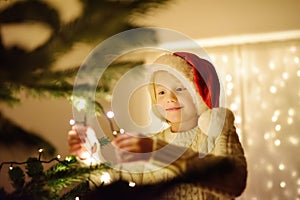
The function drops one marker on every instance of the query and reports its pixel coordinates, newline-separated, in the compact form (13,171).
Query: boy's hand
(76,141)
(133,148)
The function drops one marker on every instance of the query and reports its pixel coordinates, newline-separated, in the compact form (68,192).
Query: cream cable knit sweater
(212,168)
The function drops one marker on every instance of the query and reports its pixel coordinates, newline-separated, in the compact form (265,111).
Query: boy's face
(173,99)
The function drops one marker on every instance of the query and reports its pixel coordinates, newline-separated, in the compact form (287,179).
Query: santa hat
(199,72)
(201,79)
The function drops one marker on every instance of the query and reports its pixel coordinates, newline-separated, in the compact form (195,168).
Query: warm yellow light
(122,131)
(281,166)
(269,184)
(272,65)
(285,75)
(274,118)
(110,114)
(131,184)
(72,122)
(105,178)
(225,58)
(293,49)
(291,112)
(233,106)
(293,140)
(267,136)
(277,142)
(228,78)
(282,184)
(273,89)
(290,120)
(278,127)
(230,86)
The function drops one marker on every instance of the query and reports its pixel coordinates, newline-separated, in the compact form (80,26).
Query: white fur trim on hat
(212,122)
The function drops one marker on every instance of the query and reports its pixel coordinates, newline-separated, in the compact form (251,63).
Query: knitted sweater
(210,167)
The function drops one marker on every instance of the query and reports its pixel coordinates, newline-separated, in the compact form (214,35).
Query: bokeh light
(262,88)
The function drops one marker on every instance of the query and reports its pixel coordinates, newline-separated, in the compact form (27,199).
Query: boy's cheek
(161,110)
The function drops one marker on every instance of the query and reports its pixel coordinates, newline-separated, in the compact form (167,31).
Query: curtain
(262,86)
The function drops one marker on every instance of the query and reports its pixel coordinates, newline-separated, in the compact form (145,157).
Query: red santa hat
(200,73)
(205,78)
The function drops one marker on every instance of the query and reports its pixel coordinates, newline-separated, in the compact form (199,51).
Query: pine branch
(66,175)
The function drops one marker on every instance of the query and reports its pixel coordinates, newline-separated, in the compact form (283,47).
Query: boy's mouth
(174,108)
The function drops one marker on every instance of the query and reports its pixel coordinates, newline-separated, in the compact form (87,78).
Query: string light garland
(11,163)
(53,183)
(262,86)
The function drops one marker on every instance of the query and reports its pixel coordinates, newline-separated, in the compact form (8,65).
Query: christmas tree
(33,71)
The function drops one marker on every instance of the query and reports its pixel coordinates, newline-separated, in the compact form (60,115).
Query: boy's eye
(180,89)
(161,92)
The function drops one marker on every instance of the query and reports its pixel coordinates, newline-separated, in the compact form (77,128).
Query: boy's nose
(172,97)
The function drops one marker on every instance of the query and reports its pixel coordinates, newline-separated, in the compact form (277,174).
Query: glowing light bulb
(115,133)
(282,184)
(250,142)
(229,92)
(277,112)
(40,150)
(278,127)
(271,65)
(131,184)
(233,106)
(122,131)
(293,49)
(76,198)
(68,158)
(293,140)
(277,142)
(294,173)
(80,104)
(110,114)
(228,78)
(230,86)
(58,156)
(281,167)
(105,178)
(291,112)
(274,118)
(273,89)
(238,119)
(10,168)
(72,122)
(285,75)
(225,58)
(290,120)
(267,136)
